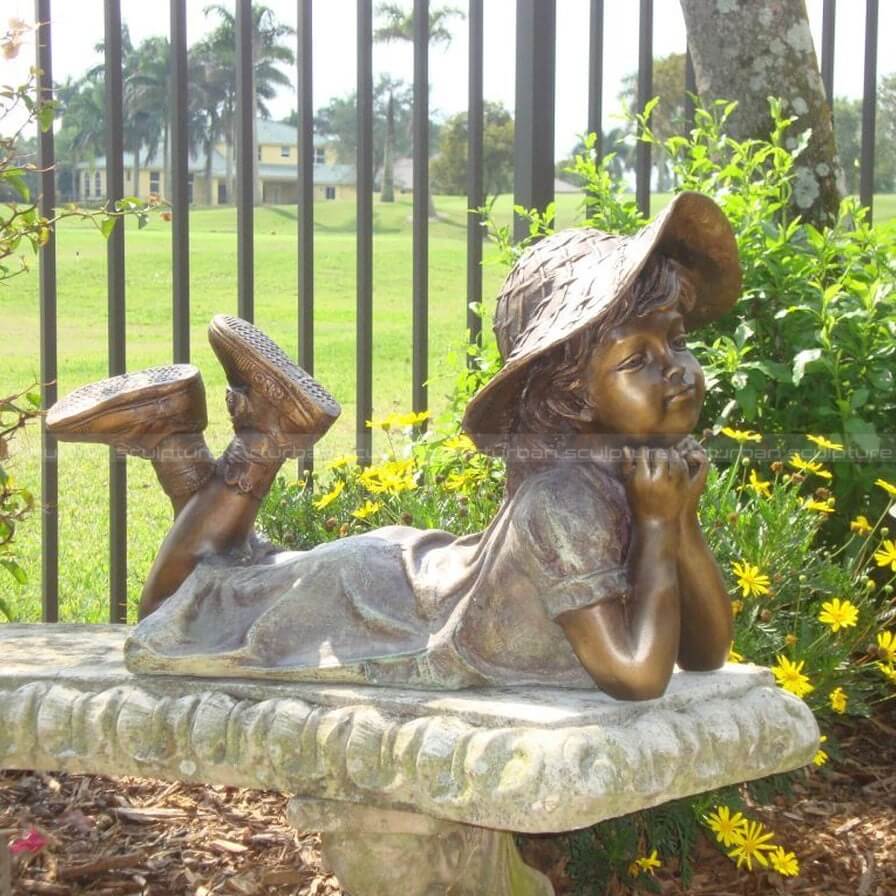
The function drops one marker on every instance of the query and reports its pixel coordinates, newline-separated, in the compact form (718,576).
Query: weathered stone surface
(381,852)
(532,760)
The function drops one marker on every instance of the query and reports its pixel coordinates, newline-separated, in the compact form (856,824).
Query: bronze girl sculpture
(594,571)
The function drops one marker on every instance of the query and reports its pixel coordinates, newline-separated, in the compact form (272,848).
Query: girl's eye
(632,362)
(679,343)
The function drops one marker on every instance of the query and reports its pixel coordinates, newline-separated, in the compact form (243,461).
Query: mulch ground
(116,837)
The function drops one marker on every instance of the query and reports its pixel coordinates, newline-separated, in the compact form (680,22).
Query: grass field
(83,473)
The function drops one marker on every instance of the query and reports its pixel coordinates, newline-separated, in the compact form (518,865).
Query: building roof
(267,131)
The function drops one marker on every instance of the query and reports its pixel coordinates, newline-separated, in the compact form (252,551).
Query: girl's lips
(684,392)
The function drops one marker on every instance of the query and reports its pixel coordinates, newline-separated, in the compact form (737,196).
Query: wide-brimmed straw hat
(569,281)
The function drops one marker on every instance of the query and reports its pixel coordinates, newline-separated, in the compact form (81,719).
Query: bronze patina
(593,572)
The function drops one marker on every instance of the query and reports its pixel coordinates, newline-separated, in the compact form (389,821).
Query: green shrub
(810,346)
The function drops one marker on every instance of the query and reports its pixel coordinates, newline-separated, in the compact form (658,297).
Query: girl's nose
(673,370)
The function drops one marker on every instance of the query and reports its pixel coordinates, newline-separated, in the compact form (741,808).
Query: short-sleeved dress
(402,606)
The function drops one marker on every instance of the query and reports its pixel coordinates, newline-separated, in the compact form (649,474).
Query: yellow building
(276,169)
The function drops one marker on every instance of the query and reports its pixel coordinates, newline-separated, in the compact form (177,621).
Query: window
(98,184)
(154,179)
(330,192)
(189,188)
(284,152)
(86,185)
(259,153)
(318,155)
(222,192)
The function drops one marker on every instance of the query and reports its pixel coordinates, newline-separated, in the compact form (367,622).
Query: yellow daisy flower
(886,646)
(838,614)
(809,466)
(826,506)
(751,582)
(752,843)
(820,757)
(460,442)
(888,670)
(790,676)
(741,435)
(398,421)
(790,639)
(828,445)
(785,863)
(736,607)
(885,555)
(734,656)
(367,509)
(327,499)
(860,525)
(762,487)
(344,460)
(888,487)
(838,700)
(724,825)
(644,864)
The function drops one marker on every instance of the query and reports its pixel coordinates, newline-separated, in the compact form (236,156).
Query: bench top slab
(526,759)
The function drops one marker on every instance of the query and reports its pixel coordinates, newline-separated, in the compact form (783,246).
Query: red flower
(33,841)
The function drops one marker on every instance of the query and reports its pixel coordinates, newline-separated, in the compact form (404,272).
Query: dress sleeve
(577,542)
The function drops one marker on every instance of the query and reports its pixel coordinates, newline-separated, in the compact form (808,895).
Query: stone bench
(414,792)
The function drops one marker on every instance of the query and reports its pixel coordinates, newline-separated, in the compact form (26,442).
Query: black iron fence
(533,188)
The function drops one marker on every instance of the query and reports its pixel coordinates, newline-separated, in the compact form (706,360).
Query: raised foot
(133,412)
(269,392)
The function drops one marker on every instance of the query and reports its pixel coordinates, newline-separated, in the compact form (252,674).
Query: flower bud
(803,578)
(885,531)
(822,494)
(745,461)
(330,523)
(343,530)
(407,519)
(777,466)
(766,615)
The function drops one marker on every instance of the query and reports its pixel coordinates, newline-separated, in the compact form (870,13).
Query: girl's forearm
(706,621)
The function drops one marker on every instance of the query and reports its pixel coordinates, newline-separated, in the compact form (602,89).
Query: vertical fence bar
(245,159)
(690,91)
(306,188)
(475,196)
(869,108)
(645,91)
(49,471)
(533,175)
(364,275)
(179,187)
(596,75)
(118,510)
(420,362)
(828,17)
(305,212)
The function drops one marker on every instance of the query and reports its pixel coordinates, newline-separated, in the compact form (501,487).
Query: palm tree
(267,52)
(398,24)
(208,102)
(83,128)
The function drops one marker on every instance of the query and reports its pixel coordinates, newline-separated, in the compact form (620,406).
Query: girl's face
(642,381)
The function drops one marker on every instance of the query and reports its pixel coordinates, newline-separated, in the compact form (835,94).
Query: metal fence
(533,188)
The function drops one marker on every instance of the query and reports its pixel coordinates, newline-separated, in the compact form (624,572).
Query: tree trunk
(749,50)
(209,149)
(388,191)
(136,184)
(228,163)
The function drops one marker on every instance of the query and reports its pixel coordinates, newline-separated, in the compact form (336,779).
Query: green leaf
(15,571)
(107,225)
(802,360)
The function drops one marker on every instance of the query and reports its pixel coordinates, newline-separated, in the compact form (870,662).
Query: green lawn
(83,489)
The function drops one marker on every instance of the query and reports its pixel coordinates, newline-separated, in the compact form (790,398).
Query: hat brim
(693,231)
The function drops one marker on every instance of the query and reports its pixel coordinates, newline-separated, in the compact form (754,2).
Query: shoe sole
(75,415)
(251,358)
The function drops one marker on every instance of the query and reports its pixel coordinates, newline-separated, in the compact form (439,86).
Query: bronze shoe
(133,412)
(269,393)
